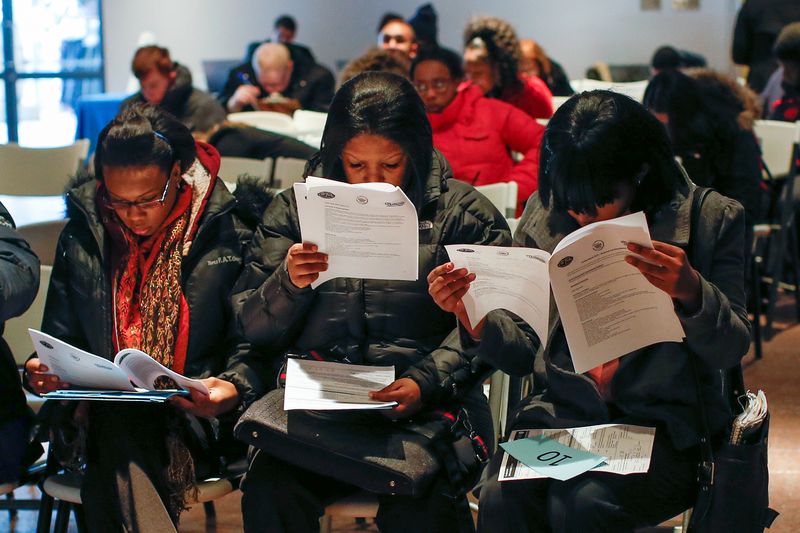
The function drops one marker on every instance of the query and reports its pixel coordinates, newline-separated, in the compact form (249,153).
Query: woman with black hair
(709,119)
(605,156)
(476,134)
(377,131)
(491,61)
(147,260)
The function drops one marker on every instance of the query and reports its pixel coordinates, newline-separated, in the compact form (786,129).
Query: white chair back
(288,170)
(39,171)
(512,224)
(309,121)
(634,89)
(777,141)
(34,209)
(43,238)
(558,101)
(502,195)
(267,120)
(231,168)
(16,332)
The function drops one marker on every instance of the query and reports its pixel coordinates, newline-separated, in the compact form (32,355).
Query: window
(52,54)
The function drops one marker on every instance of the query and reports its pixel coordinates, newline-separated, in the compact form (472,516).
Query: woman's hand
(668,268)
(222,397)
(405,392)
(304,264)
(40,380)
(447,287)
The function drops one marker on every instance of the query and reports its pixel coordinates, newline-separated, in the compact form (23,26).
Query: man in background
(397,34)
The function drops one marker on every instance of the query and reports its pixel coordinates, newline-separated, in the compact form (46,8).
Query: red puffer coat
(477,134)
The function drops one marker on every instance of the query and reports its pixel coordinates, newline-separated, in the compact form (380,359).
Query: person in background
(147,260)
(491,61)
(782,96)
(534,61)
(285,29)
(709,119)
(19,282)
(757,26)
(377,132)
(378,60)
(397,34)
(168,84)
(276,80)
(606,157)
(670,58)
(423,21)
(476,134)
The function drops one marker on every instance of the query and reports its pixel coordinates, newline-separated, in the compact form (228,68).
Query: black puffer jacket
(197,110)
(19,281)
(79,300)
(370,321)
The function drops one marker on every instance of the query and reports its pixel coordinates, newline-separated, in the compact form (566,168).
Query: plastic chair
(267,120)
(39,171)
(288,170)
(502,195)
(16,332)
(43,238)
(307,122)
(233,168)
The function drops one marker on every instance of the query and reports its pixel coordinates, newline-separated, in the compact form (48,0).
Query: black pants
(592,502)
(279,497)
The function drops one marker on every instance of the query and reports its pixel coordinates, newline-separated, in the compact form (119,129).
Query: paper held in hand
(328,386)
(607,307)
(133,372)
(368,230)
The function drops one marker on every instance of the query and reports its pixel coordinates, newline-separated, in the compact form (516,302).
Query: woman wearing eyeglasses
(476,134)
(147,260)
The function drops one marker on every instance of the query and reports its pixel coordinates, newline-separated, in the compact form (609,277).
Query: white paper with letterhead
(325,386)
(368,230)
(628,448)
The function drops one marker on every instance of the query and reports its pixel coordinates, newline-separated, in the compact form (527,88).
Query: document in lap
(326,386)
(607,307)
(368,230)
(132,376)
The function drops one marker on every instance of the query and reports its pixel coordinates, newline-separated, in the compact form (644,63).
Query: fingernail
(43,368)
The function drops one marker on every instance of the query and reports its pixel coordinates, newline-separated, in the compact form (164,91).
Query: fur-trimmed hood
(751,103)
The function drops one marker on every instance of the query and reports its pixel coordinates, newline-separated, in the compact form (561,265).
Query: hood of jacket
(461,109)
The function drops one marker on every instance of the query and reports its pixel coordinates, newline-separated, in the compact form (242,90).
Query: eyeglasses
(119,205)
(437,85)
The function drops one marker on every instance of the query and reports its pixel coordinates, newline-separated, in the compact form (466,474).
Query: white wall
(575,32)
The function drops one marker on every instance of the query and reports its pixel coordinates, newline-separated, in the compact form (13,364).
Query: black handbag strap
(706,467)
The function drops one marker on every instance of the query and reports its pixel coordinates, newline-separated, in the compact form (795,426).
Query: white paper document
(132,370)
(323,385)
(627,448)
(368,230)
(607,307)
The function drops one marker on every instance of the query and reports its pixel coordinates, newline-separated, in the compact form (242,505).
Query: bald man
(278,80)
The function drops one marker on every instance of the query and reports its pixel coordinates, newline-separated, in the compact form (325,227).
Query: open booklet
(607,307)
(132,376)
(368,230)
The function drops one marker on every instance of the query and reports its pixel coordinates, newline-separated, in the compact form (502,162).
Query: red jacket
(534,98)
(477,134)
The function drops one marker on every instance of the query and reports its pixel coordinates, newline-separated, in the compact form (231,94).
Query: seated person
(149,256)
(491,56)
(169,85)
(377,131)
(284,31)
(669,58)
(709,119)
(377,60)
(476,134)
(19,280)
(397,34)
(276,80)
(534,61)
(785,103)
(608,157)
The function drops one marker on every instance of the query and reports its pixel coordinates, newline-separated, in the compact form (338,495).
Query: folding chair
(16,332)
(43,238)
(287,170)
(232,168)
(39,171)
(502,195)
(267,120)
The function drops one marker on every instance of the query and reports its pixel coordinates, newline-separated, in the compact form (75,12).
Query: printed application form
(323,385)
(368,230)
(627,448)
(607,307)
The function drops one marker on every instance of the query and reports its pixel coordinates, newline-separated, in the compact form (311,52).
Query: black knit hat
(787,45)
(424,24)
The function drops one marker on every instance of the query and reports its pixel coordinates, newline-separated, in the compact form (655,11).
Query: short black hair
(448,58)
(144,135)
(385,104)
(665,58)
(599,140)
(286,21)
(388,17)
(787,45)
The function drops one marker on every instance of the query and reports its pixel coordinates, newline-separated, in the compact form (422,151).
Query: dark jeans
(592,502)
(13,448)
(279,497)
